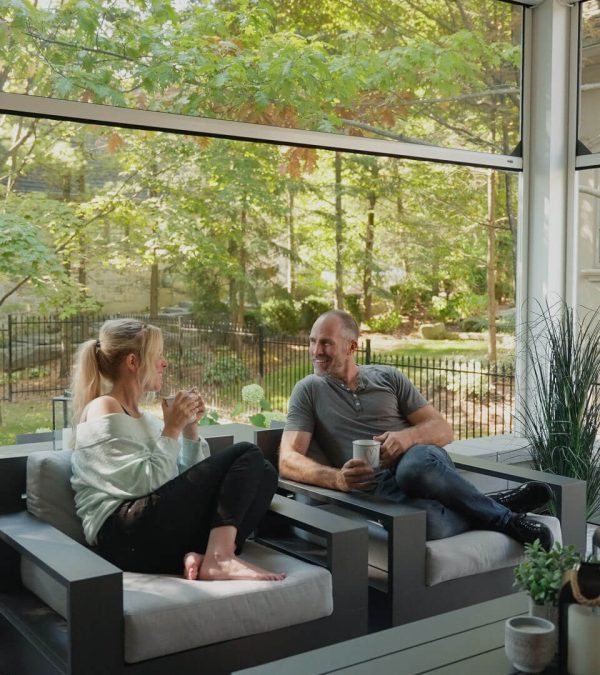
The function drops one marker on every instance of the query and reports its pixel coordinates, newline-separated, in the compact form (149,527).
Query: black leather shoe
(526,530)
(527,498)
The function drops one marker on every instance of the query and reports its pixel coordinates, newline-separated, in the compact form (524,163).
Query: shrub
(353,303)
(385,323)
(311,308)
(225,370)
(279,315)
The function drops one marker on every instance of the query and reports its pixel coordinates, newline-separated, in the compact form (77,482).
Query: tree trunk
(243,258)
(154,279)
(293,254)
(368,261)
(491,266)
(339,241)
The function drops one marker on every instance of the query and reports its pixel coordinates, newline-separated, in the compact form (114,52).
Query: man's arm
(427,427)
(295,465)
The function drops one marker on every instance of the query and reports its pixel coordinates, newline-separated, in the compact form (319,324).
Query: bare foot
(191,565)
(234,568)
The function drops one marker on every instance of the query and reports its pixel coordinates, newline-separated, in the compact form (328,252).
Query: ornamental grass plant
(560,415)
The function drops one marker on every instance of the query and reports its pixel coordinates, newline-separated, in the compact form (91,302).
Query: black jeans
(154,532)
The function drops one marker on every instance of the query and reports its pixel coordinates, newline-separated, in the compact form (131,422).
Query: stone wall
(119,291)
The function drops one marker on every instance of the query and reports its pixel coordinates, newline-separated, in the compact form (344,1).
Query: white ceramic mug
(368,450)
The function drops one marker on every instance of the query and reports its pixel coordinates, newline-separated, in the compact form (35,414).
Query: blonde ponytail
(86,383)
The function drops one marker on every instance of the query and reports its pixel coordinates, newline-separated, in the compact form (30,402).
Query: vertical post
(10,356)
(367,351)
(546,255)
(261,352)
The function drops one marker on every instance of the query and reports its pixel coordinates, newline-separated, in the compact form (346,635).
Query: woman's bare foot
(215,568)
(191,565)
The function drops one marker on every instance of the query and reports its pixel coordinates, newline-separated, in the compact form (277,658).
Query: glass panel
(589,236)
(444,73)
(205,230)
(589,125)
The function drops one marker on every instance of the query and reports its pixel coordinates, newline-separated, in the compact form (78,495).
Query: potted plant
(559,413)
(541,573)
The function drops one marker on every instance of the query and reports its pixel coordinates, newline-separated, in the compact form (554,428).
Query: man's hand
(393,445)
(356,474)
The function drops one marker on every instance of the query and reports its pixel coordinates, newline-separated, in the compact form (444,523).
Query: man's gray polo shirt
(336,416)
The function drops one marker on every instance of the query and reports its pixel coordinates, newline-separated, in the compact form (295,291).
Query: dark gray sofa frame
(37,640)
(401,595)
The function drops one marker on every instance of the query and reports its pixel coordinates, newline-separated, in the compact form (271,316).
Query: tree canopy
(246,221)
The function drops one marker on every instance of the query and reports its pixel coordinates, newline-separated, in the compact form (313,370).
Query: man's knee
(413,471)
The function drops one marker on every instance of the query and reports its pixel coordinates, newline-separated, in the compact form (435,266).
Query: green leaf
(258,420)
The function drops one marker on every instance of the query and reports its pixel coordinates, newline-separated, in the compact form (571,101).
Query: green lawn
(458,349)
(24,417)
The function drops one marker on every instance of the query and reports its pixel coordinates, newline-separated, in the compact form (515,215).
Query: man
(343,402)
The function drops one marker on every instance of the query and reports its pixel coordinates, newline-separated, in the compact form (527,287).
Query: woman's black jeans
(154,532)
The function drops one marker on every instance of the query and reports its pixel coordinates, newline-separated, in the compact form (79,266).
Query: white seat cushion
(476,551)
(464,554)
(167,614)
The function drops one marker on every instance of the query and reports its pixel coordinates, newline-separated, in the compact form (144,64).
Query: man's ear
(353,346)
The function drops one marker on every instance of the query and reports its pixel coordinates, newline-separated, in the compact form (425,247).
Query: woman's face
(155,381)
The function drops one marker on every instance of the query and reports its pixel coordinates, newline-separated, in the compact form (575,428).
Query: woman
(147,503)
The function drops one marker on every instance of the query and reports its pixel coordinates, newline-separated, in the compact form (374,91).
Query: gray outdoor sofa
(63,609)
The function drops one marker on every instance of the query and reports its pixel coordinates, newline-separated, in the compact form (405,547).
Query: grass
(458,349)
(24,416)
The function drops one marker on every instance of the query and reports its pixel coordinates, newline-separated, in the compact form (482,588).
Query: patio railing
(36,355)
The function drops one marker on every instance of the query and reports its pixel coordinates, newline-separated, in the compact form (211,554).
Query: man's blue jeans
(426,477)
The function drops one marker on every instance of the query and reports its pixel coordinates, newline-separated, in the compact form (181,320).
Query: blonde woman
(147,502)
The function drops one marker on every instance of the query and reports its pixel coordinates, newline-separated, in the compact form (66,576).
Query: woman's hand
(182,413)
(191,429)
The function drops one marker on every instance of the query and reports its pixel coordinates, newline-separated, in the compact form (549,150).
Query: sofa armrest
(405,526)
(569,493)
(94,596)
(345,554)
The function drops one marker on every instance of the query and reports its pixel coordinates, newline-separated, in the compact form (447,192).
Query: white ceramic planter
(529,642)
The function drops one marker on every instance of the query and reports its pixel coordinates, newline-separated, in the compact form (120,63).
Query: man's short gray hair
(350,330)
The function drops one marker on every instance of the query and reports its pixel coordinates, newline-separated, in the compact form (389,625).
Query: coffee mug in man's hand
(367,450)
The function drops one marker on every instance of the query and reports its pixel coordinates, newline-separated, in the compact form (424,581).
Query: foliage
(310,309)
(560,415)
(218,211)
(353,305)
(469,378)
(279,315)
(541,572)
(385,323)
(254,395)
(226,369)
(411,296)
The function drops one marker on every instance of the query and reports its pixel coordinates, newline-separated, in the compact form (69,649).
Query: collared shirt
(336,415)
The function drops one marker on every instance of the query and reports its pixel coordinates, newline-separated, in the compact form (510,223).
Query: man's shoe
(527,498)
(526,531)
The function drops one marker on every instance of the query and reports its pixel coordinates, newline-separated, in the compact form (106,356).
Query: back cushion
(50,496)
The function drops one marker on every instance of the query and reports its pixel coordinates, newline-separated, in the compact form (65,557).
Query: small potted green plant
(541,573)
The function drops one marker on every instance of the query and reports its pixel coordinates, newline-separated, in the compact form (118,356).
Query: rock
(433,331)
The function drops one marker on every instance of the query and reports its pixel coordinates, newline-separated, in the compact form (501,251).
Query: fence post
(261,352)
(10,356)
(368,352)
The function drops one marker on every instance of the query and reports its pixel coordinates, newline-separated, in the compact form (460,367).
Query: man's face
(330,351)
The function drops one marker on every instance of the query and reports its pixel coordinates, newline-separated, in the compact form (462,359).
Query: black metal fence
(36,355)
